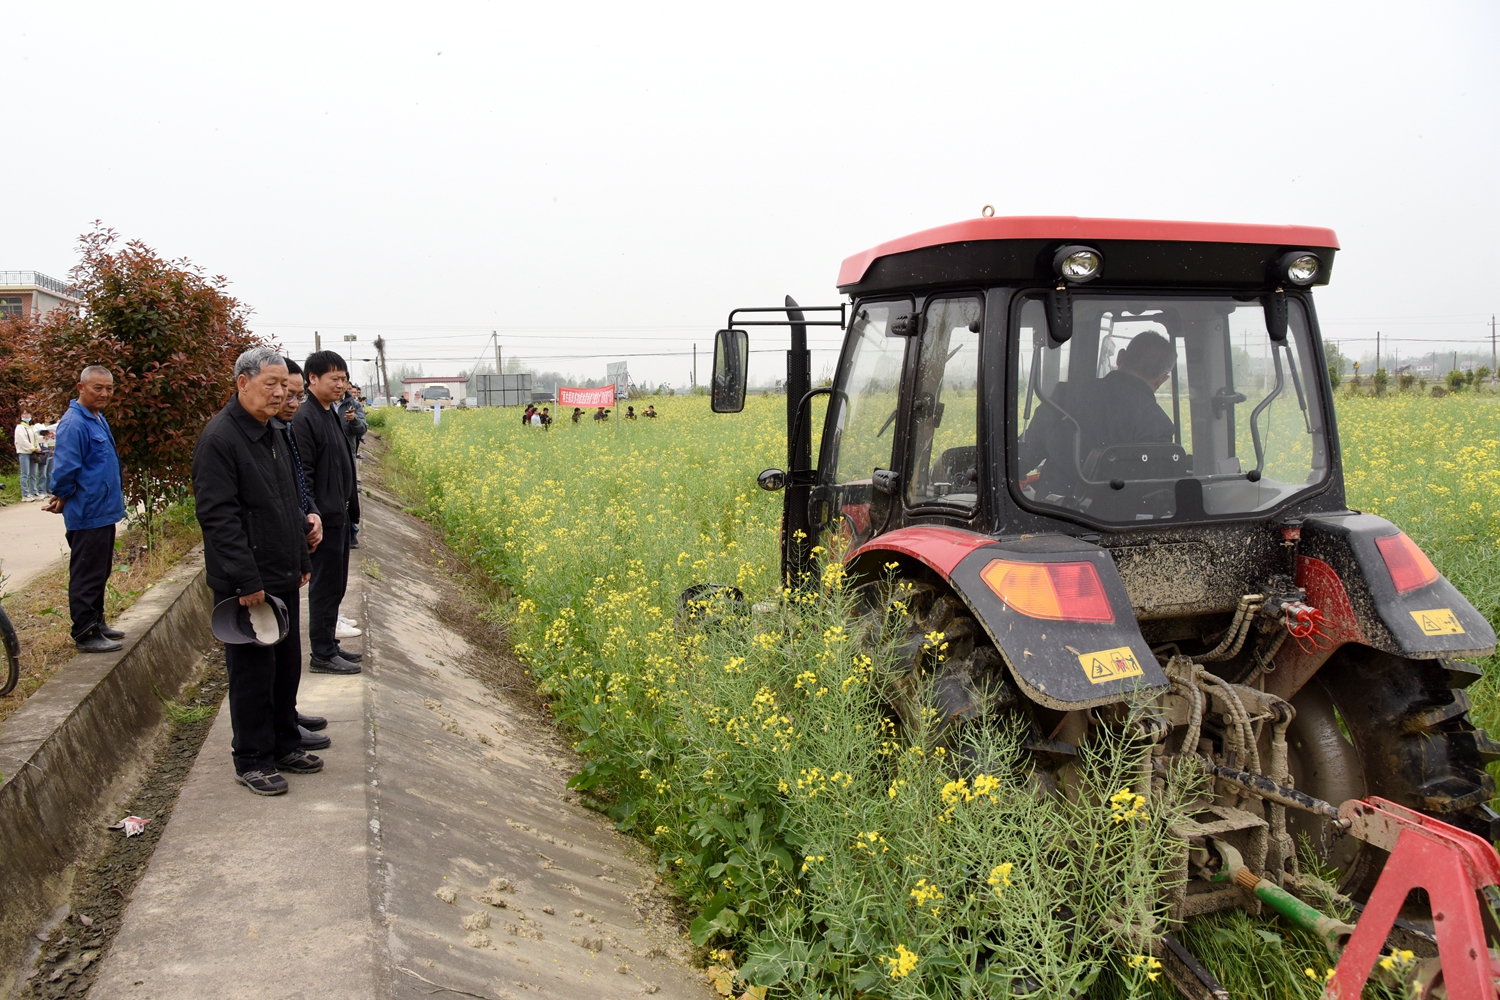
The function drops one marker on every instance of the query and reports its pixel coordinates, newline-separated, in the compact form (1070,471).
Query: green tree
(169,334)
(17,377)
(1381,380)
(1456,380)
(1336,362)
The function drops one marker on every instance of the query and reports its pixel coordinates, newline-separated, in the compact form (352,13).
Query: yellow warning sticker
(1438,621)
(1110,665)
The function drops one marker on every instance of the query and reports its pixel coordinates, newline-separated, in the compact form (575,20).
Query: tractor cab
(1061,374)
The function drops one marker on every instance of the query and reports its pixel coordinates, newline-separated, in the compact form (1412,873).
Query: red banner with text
(602,396)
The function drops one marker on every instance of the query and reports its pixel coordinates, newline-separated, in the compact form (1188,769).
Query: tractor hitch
(1459,871)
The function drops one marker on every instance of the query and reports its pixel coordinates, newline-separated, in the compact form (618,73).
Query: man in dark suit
(254,547)
(328,465)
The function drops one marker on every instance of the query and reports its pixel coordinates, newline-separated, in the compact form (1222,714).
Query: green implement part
(1332,932)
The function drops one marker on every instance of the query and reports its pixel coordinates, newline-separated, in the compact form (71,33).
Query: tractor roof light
(1408,564)
(1058,591)
(1077,264)
(1299,267)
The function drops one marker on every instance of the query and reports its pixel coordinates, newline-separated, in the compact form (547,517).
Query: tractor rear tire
(1405,736)
(946,663)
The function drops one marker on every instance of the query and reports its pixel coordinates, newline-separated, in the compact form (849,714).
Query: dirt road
(31,541)
(439,849)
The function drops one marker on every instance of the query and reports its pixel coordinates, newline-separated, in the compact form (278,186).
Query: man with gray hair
(86,492)
(249,503)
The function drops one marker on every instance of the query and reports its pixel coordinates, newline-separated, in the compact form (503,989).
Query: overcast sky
(604,182)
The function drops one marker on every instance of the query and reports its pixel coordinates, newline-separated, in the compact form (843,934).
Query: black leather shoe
(110,633)
(313,722)
(351,655)
(97,643)
(263,782)
(300,762)
(337,665)
(314,741)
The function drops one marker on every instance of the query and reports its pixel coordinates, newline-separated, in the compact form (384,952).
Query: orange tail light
(1410,568)
(1059,591)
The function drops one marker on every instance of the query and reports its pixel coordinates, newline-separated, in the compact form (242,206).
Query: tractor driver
(1120,408)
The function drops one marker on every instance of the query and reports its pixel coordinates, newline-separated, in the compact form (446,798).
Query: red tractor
(1104,454)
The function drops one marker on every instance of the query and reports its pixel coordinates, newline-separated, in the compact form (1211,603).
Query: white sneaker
(346,620)
(344,631)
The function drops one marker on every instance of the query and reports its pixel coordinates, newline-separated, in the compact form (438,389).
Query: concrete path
(439,851)
(31,542)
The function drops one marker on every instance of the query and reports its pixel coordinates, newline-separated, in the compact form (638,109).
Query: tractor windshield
(1165,407)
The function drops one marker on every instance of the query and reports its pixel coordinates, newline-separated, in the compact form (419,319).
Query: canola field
(821,852)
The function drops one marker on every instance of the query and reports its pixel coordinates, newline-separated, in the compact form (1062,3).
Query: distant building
(31,293)
(422,387)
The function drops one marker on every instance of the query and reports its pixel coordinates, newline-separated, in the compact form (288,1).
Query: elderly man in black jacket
(328,465)
(255,545)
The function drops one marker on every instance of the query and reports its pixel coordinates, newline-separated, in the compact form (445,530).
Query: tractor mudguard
(1429,622)
(1060,664)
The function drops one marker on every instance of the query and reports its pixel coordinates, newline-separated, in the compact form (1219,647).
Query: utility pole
(695,367)
(1493,367)
(385,375)
(317,341)
(496,334)
(1377,350)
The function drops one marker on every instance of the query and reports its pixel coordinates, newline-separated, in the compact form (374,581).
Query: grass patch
(11,491)
(181,713)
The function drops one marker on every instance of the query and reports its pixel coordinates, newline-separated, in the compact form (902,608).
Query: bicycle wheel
(12,654)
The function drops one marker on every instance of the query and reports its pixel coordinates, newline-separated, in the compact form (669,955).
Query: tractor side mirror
(1060,315)
(731,368)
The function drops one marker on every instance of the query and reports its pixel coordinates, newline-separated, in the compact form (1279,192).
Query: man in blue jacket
(86,492)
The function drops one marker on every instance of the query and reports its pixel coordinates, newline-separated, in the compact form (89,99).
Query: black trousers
(330,579)
(91,555)
(263,684)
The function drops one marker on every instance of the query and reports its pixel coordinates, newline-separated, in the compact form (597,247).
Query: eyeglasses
(297,397)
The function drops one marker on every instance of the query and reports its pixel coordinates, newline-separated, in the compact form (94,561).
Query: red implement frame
(1453,866)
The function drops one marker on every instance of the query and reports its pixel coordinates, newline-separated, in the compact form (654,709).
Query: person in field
(630,413)
(27,442)
(86,491)
(255,548)
(350,410)
(328,465)
(1120,408)
(308,726)
(650,412)
(577,414)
